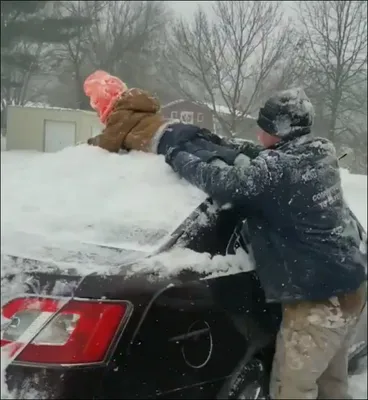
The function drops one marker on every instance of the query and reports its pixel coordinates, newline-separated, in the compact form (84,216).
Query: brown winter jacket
(132,123)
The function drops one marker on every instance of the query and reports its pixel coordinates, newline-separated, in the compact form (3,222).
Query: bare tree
(125,40)
(291,71)
(30,33)
(353,129)
(74,53)
(122,38)
(29,82)
(335,34)
(227,59)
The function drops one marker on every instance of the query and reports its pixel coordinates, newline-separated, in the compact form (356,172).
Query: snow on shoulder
(85,194)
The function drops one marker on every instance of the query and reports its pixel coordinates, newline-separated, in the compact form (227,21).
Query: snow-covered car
(136,333)
(119,280)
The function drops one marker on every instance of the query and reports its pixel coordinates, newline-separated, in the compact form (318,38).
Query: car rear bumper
(54,383)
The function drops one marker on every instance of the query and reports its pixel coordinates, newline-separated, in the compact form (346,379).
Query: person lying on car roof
(306,242)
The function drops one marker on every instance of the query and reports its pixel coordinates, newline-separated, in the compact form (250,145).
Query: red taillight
(81,333)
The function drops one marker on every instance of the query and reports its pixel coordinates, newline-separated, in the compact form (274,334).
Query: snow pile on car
(87,195)
(84,195)
(178,259)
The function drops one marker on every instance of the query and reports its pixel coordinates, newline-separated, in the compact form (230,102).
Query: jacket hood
(137,100)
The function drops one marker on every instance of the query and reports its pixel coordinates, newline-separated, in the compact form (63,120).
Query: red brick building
(189,112)
(201,115)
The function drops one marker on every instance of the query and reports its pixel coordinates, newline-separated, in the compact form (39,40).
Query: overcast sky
(187,8)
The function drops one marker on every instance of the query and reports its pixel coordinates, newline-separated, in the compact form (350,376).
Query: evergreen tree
(25,24)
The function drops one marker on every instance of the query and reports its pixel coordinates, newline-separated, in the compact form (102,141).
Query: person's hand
(93,141)
(208,135)
(171,154)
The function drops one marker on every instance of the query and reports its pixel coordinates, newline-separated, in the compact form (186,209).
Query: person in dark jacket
(307,244)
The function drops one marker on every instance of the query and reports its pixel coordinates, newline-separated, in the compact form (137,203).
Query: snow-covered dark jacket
(304,238)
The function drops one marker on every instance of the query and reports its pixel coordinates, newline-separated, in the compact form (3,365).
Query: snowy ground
(83,194)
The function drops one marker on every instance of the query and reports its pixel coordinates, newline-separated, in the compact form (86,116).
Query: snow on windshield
(84,194)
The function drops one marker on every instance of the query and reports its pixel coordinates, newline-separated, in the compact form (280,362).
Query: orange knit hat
(103,90)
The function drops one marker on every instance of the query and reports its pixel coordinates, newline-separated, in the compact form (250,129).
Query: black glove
(207,151)
(208,135)
(251,149)
(170,155)
(176,136)
(179,134)
(246,147)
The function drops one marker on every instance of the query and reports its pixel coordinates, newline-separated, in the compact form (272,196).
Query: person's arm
(227,184)
(105,141)
(207,151)
(246,147)
(190,138)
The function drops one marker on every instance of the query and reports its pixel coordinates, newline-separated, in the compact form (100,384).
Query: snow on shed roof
(219,108)
(30,104)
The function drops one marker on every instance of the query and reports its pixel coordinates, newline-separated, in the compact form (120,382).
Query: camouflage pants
(311,358)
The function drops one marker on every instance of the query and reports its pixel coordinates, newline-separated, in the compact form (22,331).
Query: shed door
(187,117)
(59,135)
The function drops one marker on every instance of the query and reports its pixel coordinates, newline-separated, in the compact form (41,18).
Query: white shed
(48,129)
